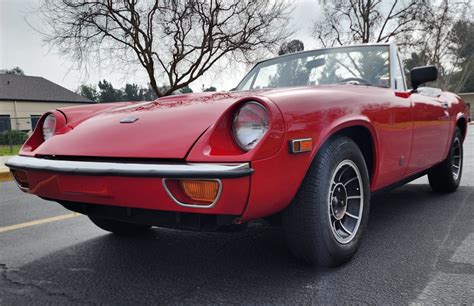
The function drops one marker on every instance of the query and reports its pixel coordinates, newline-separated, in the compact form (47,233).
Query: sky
(21,45)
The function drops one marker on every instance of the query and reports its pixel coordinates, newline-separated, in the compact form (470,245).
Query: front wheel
(118,227)
(446,176)
(325,222)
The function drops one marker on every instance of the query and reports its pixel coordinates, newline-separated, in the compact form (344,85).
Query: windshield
(361,65)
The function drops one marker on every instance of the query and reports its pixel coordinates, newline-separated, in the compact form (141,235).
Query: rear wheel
(325,222)
(446,176)
(118,227)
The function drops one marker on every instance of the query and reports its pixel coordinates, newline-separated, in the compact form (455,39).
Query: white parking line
(452,288)
(447,288)
(465,252)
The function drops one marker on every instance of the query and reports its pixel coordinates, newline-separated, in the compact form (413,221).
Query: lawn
(5,150)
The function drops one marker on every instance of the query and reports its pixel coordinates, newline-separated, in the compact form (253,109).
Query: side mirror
(421,75)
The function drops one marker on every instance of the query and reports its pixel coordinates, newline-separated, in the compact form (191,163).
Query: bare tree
(429,31)
(440,41)
(364,21)
(175,41)
(463,51)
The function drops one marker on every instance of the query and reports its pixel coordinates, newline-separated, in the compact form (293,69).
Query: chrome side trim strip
(195,170)
(194,205)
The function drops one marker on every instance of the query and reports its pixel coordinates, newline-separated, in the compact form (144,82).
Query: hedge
(13,137)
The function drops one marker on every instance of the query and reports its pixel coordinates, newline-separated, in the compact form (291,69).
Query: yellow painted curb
(5,176)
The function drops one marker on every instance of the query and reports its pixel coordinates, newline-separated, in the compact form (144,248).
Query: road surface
(419,248)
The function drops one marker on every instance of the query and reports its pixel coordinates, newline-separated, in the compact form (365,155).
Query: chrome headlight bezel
(248,132)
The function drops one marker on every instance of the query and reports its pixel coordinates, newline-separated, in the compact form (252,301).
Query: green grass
(5,150)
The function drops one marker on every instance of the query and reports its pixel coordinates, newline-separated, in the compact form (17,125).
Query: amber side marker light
(200,190)
(301,145)
(21,178)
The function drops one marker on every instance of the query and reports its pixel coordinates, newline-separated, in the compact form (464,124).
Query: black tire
(118,227)
(443,177)
(308,220)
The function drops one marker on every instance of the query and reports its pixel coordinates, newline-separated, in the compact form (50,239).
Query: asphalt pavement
(419,247)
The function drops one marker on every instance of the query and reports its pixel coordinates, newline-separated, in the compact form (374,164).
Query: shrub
(13,137)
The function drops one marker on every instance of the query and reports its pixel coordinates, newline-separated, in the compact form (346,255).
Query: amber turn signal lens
(200,190)
(301,145)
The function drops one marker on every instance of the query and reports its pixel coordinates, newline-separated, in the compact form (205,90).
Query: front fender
(276,180)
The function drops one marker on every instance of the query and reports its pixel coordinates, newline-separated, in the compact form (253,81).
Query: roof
(31,88)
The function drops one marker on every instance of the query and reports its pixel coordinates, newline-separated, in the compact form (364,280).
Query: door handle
(445,108)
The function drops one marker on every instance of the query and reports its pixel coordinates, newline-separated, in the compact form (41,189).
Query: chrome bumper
(198,170)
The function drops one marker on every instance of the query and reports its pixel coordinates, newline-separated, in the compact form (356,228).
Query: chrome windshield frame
(393,53)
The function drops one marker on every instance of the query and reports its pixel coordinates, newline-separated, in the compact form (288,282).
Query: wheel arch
(461,123)
(364,135)
(358,129)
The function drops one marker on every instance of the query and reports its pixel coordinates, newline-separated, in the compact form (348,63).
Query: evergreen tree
(14,70)
(132,92)
(107,93)
(88,91)
(212,88)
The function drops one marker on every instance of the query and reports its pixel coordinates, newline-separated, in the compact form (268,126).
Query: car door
(396,135)
(431,131)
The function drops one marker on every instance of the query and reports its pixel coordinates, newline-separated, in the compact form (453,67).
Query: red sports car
(305,138)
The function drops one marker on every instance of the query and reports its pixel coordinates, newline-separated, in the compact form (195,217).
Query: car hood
(166,128)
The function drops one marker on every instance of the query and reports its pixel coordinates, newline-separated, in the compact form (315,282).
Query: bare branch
(174,41)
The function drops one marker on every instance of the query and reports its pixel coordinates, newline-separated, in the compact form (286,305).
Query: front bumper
(131,169)
(132,185)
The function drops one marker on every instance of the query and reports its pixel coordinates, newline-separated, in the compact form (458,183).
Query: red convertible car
(305,138)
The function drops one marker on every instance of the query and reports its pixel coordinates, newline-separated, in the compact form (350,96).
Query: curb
(4,170)
(5,176)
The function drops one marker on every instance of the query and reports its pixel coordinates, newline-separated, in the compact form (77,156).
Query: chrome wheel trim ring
(457,158)
(345,229)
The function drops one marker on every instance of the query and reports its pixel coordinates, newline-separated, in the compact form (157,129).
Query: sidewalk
(4,171)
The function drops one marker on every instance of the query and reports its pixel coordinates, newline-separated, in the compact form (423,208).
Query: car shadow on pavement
(408,230)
